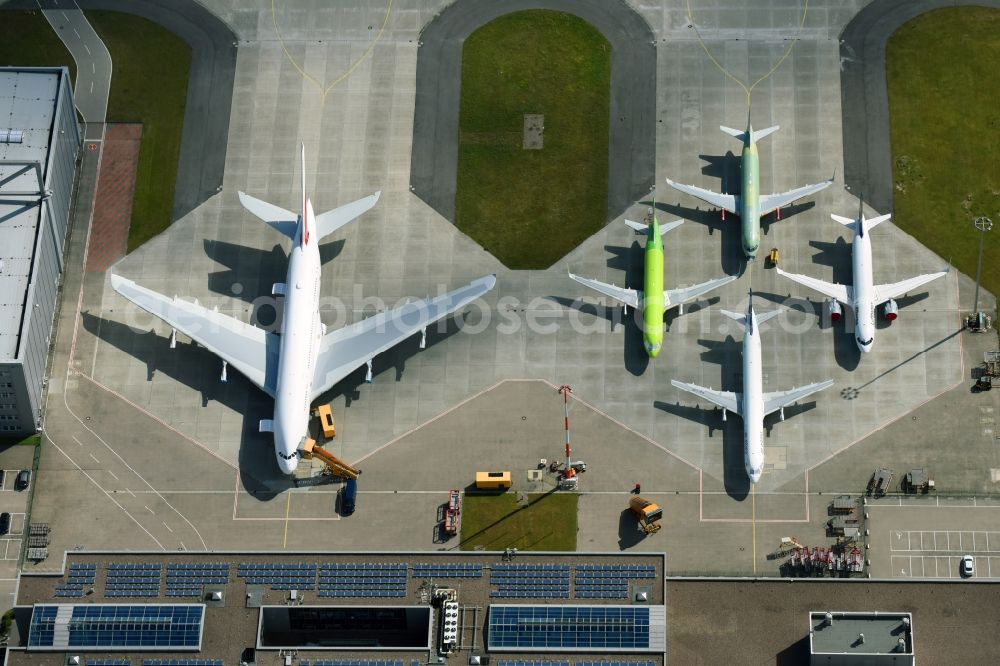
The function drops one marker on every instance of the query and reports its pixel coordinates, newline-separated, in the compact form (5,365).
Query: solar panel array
(81,575)
(293,576)
(608,581)
(362,580)
(522,662)
(181,662)
(116,627)
(108,662)
(355,662)
(584,628)
(132,579)
(536,581)
(616,663)
(186,580)
(425,570)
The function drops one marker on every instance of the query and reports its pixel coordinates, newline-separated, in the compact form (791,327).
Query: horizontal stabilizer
(755,135)
(284,221)
(638,226)
(767,316)
(331,220)
(739,317)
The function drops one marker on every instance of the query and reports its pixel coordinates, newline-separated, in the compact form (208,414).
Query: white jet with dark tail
(304,361)
(753,404)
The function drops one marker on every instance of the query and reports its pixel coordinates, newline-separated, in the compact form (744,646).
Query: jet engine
(891,310)
(833,307)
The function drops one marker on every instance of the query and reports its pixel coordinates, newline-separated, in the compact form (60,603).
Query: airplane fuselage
(750,199)
(864,291)
(753,403)
(652,304)
(301,334)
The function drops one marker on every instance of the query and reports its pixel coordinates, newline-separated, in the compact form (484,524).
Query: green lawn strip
(495,522)
(530,207)
(148,85)
(945,125)
(27,40)
(30,440)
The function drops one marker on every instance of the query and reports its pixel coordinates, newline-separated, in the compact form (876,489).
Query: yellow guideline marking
(324,91)
(288,508)
(753,521)
(747,90)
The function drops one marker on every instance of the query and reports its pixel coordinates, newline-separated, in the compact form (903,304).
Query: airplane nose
(754,474)
(288,466)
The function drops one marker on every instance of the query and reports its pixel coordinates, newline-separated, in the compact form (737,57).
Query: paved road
(865,94)
(93,62)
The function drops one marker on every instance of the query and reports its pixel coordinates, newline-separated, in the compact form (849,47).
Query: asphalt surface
(865,95)
(632,127)
(210,89)
(93,62)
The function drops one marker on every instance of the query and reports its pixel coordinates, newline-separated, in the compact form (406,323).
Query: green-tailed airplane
(749,204)
(653,299)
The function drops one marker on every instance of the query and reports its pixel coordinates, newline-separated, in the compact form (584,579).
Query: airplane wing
(840,292)
(621,294)
(345,350)
(884,292)
(727,201)
(251,350)
(728,400)
(674,297)
(778,399)
(770,202)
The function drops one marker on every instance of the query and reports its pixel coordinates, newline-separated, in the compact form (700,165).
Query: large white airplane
(864,296)
(304,361)
(752,404)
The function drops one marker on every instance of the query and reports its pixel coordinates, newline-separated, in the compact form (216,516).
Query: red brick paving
(113,202)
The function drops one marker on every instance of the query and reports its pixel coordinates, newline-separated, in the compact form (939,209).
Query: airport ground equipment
(334,465)
(452,512)
(878,485)
(569,480)
(989,372)
(918,481)
(647,513)
(492,480)
(773,257)
(325,415)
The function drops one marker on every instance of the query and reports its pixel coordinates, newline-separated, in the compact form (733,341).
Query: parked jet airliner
(653,299)
(752,404)
(749,204)
(864,296)
(304,361)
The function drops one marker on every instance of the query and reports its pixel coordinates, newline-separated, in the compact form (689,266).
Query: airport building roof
(139,609)
(859,636)
(27,110)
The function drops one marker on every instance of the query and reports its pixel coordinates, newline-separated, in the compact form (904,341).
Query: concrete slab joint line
(865,94)
(205,135)
(632,132)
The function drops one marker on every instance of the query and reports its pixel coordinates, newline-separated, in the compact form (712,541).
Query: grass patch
(27,40)
(945,121)
(496,522)
(30,440)
(148,85)
(530,207)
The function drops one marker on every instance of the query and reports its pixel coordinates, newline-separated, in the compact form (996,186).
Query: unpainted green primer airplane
(653,299)
(749,204)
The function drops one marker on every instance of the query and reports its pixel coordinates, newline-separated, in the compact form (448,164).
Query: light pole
(984,224)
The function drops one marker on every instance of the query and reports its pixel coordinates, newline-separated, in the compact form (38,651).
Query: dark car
(4,522)
(349,497)
(23,477)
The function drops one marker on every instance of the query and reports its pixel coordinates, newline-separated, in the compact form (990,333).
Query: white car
(967,566)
